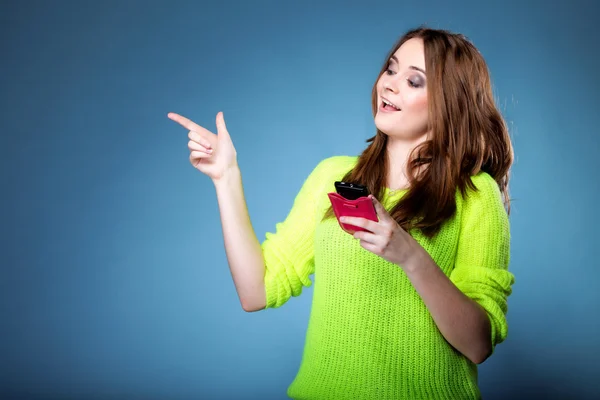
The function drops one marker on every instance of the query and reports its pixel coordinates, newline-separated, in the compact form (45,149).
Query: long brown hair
(469,135)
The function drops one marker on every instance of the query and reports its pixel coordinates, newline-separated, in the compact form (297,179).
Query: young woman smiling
(407,308)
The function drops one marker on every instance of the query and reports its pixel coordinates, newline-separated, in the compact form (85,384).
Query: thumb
(221,127)
(379,209)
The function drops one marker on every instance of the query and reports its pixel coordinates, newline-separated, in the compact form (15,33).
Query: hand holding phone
(352,200)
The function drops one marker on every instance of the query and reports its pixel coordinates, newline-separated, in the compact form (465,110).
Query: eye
(388,70)
(415,83)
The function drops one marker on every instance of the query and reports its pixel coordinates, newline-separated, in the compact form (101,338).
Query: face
(405,86)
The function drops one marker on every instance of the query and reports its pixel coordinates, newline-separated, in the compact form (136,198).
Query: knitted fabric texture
(370,335)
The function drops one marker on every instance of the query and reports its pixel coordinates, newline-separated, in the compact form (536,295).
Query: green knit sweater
(370,335)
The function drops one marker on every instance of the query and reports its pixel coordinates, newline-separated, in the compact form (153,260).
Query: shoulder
(338,162)
(486,192)
(333,166)
(484,181)
(484,201)
(321,179)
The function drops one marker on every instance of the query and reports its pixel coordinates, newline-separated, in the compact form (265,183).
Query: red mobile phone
(352,200)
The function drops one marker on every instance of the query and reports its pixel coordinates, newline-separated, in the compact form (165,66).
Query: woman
(409,307)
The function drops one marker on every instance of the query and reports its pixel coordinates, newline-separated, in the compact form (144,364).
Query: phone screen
(351,191)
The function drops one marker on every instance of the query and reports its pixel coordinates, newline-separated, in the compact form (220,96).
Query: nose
(389,84)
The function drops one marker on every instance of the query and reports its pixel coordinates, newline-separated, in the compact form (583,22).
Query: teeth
(389,104)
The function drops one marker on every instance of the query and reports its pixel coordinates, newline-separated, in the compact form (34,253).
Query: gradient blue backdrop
(114,281)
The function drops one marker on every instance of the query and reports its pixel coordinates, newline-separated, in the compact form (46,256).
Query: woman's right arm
(215,156)
(268,274)
(242,247)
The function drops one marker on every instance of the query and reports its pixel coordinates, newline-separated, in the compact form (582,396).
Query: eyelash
(410,83)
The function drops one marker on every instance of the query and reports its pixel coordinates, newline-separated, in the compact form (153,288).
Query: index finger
(360,221)
(186,123)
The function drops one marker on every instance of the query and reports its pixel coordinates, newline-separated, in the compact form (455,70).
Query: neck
(398,151)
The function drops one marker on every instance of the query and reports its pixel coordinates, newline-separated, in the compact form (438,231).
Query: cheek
(379,87)
(417,102)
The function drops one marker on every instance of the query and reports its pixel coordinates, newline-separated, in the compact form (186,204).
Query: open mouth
(388,106)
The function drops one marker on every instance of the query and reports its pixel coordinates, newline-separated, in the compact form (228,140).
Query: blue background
(114,281)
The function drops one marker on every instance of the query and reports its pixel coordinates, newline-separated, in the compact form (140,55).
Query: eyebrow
(393,57)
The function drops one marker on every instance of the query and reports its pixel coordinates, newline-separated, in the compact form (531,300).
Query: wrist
(415,260)
(229,176)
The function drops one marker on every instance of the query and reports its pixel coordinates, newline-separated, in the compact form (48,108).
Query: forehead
(412,52)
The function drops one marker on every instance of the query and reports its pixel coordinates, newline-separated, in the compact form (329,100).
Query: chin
(396,133)
(387,127)
(394,130)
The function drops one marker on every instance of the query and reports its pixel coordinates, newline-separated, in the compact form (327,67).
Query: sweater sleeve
(481,265)
(289,252)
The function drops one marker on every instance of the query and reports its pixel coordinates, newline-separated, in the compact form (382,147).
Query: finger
(188,124)
(196,146)
(183,121)
(208,142)
(196,137)
(379,209)
(362,222)
(221,127)
(194,155)
(364,236)
(370,247)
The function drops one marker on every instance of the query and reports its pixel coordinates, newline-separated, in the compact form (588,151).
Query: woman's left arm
(469,306)
(461,320)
